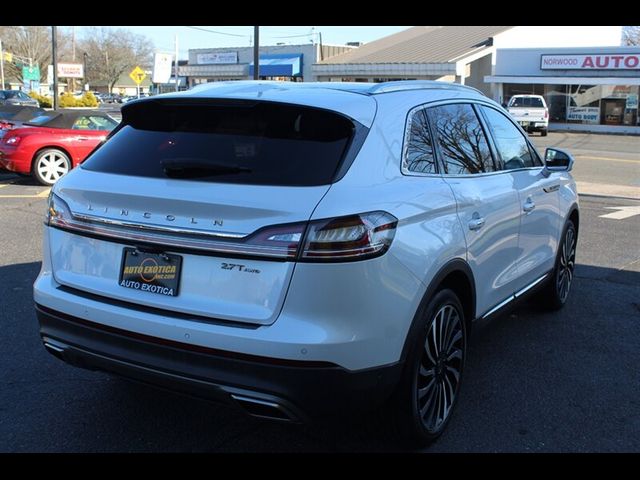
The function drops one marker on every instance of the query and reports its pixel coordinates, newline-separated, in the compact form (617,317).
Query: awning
(279,65)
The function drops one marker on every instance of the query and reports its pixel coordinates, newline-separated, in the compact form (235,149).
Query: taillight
(12,140)
(58,213)
(546,113)
(354,237)
(280,241)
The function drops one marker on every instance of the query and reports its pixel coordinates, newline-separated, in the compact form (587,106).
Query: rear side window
(255,143)
(462,143)
(510,143)
(92,122)
(419,156)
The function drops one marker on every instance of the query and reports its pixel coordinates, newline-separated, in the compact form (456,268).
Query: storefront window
(558,100)
(584,104)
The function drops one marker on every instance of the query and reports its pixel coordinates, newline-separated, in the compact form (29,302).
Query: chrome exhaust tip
(53,349)
(264,408)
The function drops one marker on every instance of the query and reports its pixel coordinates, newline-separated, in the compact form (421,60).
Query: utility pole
(256,53)
(73,56)
(84,70)
(54,43)
(1,66)
(176,62)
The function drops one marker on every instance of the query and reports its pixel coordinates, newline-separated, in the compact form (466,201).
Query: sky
(190,37)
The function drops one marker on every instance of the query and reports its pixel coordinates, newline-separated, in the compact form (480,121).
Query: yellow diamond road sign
(138,75)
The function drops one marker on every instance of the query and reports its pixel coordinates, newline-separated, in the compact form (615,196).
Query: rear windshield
(526,102)
(256,143)
(42,119)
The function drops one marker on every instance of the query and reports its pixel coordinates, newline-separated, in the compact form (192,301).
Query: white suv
(297,249)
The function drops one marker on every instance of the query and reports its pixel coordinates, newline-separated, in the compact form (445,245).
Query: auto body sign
(622,61)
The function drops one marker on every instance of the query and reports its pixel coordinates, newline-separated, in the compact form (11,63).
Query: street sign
(31,73)
(137,75)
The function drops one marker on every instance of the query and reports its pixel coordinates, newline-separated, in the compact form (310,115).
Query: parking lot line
(42,194)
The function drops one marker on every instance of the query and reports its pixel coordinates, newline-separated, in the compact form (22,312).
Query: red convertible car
(51,144)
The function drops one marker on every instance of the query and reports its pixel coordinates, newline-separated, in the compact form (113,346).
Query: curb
(600,195)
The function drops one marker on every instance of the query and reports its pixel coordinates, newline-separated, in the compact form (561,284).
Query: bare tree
(112,52)
(32,42)
(631,36)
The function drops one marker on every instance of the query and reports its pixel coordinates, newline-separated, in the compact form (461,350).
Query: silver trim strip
(156,228)
(530,286)
(518,294)
(499,306)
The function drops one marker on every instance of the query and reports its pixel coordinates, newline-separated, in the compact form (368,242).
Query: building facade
(278,62)
(585,88)
(461,54)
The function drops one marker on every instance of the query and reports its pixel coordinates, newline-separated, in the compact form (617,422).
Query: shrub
(67,100)
(88,100)
(45,102)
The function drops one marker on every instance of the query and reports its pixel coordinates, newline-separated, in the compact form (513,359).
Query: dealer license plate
(150,272)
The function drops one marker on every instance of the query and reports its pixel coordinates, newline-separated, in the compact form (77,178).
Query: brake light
(58,212)
(12,140)
(281,241)
(354,237)
(546,113)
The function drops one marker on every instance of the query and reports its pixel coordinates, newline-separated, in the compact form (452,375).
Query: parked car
(12,116)
(111,98)
(51,144)
(531,112)
(17,97)
(297,249)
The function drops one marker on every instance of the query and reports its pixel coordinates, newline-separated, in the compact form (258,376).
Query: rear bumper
(13,160)
(285,390)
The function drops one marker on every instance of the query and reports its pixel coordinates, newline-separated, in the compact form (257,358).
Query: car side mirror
(557,160)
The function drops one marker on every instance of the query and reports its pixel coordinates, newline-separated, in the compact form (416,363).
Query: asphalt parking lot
(535,382)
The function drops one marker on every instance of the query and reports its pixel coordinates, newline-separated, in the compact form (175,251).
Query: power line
(295,36)
(219,33)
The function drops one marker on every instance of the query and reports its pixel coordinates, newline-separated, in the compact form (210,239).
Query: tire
(556,292)
(50,165)
(543,132)
(427,394)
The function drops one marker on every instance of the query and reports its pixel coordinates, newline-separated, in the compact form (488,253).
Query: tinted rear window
(254,143)
(526,102)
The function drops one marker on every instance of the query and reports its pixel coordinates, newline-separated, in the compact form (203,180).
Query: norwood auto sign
(622,61)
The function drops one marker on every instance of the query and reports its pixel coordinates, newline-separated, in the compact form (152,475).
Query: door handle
(476,223)
(552,188)
(528,206)
(82,138)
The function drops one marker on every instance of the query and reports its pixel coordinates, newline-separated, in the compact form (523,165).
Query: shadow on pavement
(535,381)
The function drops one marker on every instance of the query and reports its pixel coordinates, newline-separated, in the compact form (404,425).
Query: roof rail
(401,85)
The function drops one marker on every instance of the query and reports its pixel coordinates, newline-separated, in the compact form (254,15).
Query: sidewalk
(608,190)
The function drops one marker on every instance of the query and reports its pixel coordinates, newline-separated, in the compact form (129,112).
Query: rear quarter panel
(429,233)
